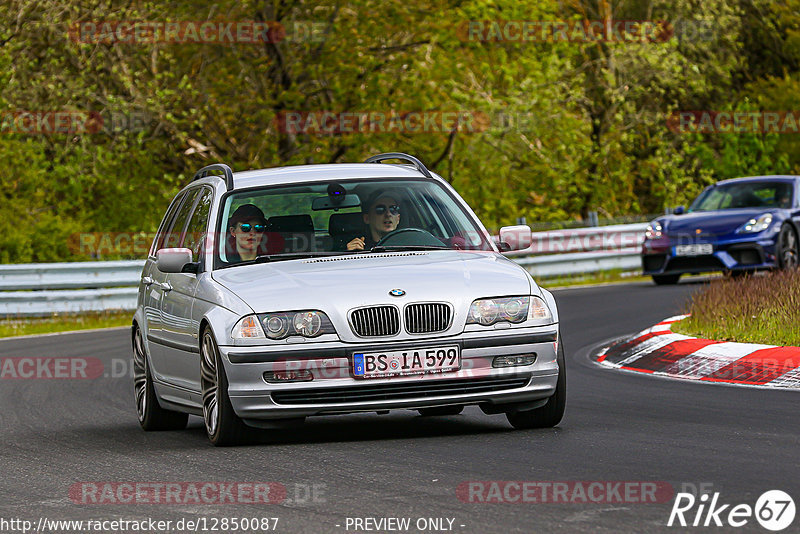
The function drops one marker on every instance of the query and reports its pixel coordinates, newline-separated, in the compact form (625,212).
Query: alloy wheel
(209,382)
(789,252)
(139,376)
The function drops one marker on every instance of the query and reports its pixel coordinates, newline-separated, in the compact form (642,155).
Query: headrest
(296,224)
(345,223)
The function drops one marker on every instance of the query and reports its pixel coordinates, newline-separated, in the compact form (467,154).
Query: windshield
(347,217)
(744,195)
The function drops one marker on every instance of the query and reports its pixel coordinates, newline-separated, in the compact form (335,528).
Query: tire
(151,415)
(787,248)
(666,279)
(551,413)
(441,410)
(223,426)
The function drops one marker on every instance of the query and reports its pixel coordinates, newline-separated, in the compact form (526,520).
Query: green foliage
(573,126)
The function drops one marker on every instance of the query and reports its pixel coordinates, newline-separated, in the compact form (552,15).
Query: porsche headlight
(306,323)
(487,312)
(653,230)
(755,225)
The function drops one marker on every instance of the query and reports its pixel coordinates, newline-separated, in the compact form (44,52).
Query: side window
(174,236)
(158,242)
(196,231)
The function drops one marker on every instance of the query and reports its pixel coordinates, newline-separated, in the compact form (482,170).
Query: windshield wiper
(292,255)
(394,248)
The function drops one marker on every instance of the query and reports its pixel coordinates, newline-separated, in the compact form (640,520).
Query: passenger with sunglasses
(248,237)
(382,215)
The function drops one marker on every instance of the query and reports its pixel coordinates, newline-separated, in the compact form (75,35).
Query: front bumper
(737,253)
(335,390)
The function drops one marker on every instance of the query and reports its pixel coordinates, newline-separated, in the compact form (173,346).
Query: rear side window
(158,242)
(174,236)
(196,231)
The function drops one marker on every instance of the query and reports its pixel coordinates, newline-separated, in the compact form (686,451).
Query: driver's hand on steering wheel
(356,244)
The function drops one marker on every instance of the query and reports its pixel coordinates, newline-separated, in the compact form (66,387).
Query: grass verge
(603,277)
(750,309)
(62,323)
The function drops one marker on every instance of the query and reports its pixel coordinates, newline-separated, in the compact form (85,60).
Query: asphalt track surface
(618,427)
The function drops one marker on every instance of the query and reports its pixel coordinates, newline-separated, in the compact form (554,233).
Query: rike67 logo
(774,510)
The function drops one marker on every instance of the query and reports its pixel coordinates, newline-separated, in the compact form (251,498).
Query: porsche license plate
(406,362)
(694,250)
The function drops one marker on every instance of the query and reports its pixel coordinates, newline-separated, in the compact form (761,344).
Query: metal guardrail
(40,289)
(583,251)
(551,266)
(77,275)
(608,238)
(43,303)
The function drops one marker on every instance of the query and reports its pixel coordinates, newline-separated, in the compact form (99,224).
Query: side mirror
(680,210)
(172,260)
(515,237)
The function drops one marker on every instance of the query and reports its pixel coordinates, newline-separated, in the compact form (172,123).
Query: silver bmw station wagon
(274,295)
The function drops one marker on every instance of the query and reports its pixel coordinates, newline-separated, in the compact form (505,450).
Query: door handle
(147,281)
(166,286)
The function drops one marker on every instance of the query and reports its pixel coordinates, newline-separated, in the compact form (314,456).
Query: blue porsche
(736,226)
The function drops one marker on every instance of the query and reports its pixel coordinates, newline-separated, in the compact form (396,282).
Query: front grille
(427,318)
(746,255)
(695,263)
(375,321)
(425,389)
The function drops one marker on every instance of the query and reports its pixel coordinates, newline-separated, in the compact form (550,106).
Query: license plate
(406,362)
(694,250)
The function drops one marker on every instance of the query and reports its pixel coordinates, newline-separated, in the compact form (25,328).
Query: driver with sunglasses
(382,215)
(248,237)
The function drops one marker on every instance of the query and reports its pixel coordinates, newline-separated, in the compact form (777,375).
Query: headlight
(753,226)
(248,328)
(653,231)
(487,312)
(306,323)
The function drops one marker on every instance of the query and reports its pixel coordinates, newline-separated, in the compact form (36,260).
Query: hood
(337,284)
(719,222)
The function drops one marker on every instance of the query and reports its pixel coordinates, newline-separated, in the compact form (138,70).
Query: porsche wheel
(787,248)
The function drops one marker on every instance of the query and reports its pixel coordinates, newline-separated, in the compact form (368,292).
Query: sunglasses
(380,209)
(259,228)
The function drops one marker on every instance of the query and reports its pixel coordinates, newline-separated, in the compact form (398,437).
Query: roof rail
(202,173)
(399,155)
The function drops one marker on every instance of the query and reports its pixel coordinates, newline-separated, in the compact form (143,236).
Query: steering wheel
(410,236)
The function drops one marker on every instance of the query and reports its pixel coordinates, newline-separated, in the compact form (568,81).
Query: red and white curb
(660,351)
